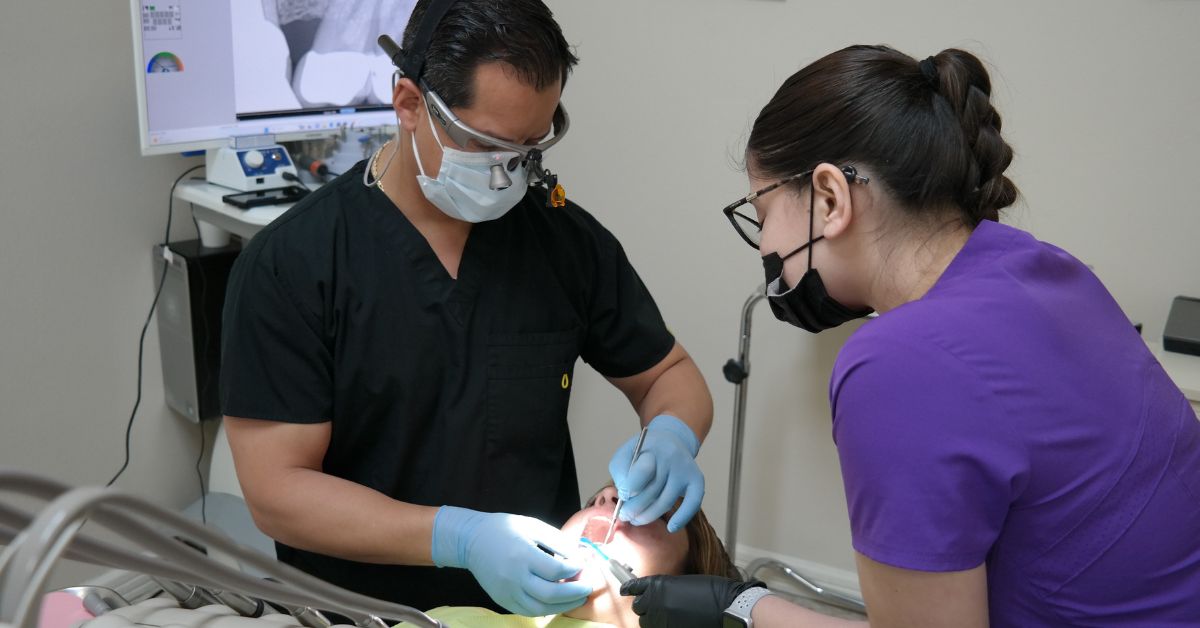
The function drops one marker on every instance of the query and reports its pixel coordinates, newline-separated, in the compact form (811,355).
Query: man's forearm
(317,512)
(680,391)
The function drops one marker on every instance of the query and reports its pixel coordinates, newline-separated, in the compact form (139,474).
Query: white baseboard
(832,578)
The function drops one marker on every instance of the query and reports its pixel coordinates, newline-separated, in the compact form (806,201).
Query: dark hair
(519,33)
(926,130)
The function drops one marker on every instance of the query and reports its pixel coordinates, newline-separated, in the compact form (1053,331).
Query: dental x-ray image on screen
(313,54)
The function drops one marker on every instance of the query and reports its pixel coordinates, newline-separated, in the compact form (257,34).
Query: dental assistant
(399,347)
(1012,453)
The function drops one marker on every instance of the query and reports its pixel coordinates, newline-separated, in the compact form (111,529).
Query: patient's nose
(607,496)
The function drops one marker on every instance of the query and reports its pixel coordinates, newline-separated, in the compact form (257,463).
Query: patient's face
(648,550)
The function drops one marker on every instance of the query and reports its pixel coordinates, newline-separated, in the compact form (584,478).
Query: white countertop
(217,218)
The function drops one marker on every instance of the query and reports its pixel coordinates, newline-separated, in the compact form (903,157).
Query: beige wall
(1099,100)
(80,209)
(1098,97)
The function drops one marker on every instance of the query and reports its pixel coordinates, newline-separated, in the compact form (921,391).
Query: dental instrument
(621,572)
(637,449)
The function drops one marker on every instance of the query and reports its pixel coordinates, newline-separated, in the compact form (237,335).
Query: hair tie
(929,71)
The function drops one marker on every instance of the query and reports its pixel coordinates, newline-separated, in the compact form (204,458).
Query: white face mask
(462,188)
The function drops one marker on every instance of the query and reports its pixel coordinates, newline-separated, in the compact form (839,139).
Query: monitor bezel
(149,149)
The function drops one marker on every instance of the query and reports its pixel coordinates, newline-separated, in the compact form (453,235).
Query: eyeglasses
(529,154)
(750,228)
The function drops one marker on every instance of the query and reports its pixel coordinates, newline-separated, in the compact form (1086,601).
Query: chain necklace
(375,169)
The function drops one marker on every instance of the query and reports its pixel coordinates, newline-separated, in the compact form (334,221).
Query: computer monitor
(211,70)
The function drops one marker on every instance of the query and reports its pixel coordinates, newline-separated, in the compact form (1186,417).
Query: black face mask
(808,305)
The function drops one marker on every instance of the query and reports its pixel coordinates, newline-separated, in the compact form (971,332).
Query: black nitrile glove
(684,601)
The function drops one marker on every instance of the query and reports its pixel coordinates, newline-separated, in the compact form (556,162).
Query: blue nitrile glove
(501,551)
(665,470)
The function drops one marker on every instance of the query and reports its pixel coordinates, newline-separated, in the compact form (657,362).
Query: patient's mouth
(596,528)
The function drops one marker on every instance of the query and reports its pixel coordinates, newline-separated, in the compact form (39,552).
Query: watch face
(729,620)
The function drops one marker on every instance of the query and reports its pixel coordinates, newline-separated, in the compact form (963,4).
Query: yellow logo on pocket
(566,381)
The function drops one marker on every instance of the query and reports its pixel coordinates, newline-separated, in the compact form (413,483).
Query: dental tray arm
(54,532)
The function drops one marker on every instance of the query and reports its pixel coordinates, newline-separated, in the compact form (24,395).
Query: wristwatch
(738,613)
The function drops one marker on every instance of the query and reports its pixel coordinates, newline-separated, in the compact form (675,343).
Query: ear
(832,204)
(407,101)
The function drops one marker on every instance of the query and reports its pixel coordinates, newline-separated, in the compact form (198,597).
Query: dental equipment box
(251,163)
(1182,333)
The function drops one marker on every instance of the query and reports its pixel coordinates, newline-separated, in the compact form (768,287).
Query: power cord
(149,315)
(205,376)
(287,176)
(200,474)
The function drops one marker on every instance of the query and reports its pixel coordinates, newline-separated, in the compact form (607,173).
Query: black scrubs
(440,391)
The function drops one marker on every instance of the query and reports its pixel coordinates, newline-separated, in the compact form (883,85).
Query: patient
(648,550)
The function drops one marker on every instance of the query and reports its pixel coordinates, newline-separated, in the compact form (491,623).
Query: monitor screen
(209,70)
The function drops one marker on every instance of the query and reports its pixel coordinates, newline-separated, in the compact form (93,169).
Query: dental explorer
(637,449)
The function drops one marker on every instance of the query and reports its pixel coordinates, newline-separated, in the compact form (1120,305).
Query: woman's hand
(697,601)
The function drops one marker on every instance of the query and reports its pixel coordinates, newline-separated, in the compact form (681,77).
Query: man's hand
(665,470)
(502,552)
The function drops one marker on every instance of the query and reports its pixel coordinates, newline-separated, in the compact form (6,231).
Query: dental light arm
(26,563)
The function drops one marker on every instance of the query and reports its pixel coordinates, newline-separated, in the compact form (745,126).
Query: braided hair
(926,130)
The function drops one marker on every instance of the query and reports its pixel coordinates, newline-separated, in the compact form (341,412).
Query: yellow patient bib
(472,617)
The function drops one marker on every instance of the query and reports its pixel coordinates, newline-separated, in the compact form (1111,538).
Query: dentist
(399,347)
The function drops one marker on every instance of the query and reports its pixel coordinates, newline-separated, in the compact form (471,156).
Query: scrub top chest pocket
(530,376)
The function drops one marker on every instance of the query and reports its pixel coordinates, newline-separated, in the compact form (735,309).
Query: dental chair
(168,570)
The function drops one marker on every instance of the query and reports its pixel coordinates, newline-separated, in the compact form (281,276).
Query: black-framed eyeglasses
(749,227)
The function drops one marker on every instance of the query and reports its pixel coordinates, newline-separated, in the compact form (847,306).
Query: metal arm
(833,598)
(28,559)
(737,372)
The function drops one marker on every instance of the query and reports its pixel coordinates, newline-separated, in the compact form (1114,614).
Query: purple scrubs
(1014,417)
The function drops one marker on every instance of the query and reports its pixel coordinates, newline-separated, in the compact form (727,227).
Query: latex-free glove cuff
(679,429)
(449,528)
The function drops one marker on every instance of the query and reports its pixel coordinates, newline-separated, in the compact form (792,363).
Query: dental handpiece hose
(617,512)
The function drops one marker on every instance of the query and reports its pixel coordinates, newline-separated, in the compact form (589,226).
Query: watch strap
(744,603)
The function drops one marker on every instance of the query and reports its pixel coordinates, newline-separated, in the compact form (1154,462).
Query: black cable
(149,315)
(195,223)
(204,375)
(287,176)
(200,474)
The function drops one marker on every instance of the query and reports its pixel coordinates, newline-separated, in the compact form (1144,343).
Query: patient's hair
(706,555)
